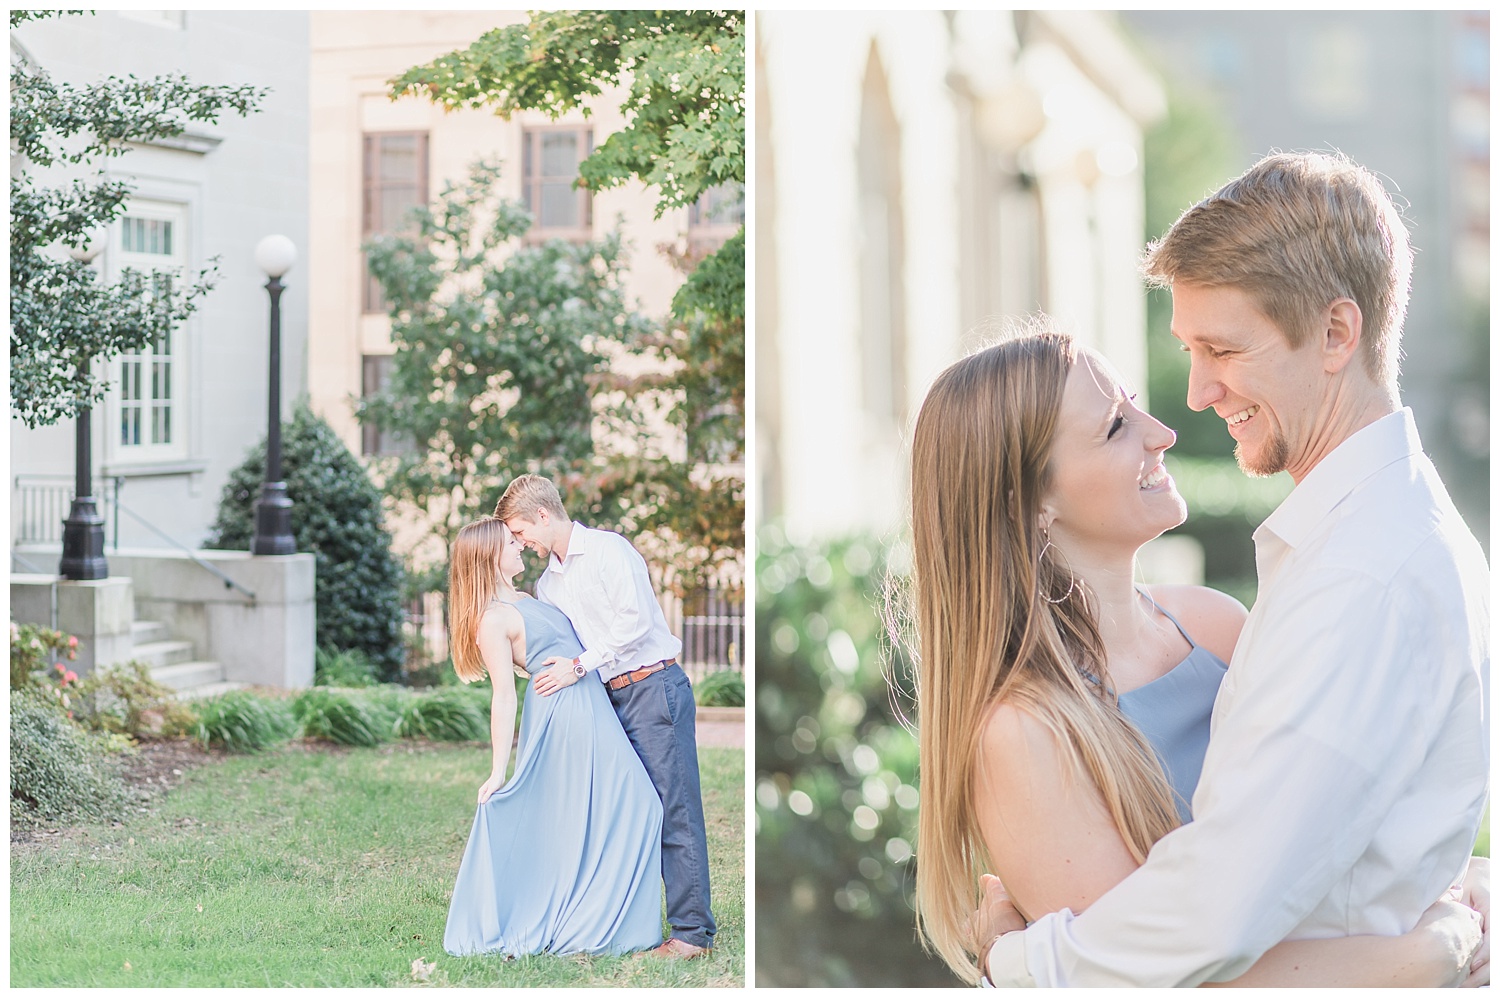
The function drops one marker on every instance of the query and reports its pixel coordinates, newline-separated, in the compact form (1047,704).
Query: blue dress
(566,857)
(1173,712)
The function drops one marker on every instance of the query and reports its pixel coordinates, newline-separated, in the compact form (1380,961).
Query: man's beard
(1274,457)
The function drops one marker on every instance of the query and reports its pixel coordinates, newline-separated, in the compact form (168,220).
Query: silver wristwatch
(578,669)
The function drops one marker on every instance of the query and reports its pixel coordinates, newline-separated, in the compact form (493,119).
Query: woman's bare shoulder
(1017,744)
(1044,824)
(500,621)
(1213,618)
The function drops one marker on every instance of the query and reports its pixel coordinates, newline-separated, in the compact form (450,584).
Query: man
(1348,766)
(601,583)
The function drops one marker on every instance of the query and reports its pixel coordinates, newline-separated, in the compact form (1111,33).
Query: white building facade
(922,177)
(181,415)
(374,158)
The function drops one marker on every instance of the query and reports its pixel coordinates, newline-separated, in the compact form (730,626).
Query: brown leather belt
(626,678)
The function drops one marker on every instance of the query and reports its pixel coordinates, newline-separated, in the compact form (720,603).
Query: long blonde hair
(999,616)
(471,585)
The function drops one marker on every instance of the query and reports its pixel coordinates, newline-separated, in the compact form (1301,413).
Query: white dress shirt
(1349,759)
(604,588)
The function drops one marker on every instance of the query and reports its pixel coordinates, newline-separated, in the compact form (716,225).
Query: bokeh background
(921,176)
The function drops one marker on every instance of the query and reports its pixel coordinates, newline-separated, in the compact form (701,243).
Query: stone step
(157,654)
(188,675)
(209,690)
(144,632)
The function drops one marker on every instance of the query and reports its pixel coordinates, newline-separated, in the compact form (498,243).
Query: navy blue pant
(659,717)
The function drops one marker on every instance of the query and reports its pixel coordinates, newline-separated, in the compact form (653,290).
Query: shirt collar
(1385,441)
(579,542)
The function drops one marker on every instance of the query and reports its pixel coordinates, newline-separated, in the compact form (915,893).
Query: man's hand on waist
(557,674)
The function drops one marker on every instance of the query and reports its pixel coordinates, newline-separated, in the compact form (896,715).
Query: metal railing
(228,582)
(711,624)
(45,500)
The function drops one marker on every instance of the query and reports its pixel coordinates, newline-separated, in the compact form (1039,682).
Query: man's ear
(541,517)
(1343,328)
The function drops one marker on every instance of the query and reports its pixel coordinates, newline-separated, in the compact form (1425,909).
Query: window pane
(153,236)
(398,158)
(395,202)
(720,205)
(560,154)
(162,386)
(559,206)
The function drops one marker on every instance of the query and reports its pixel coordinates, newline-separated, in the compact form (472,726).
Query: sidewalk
(721,727)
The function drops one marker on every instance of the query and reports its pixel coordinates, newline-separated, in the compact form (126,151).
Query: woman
(566,857)
(1035,480)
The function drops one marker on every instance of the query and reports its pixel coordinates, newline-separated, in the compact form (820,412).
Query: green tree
(498,348)
(684,76)
(62,317)
(336,515)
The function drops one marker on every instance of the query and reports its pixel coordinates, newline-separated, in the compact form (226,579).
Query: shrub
(720,689)
(336,516)
(434,674)
(240,721)
(125,700)
(58,771)
(343,668)
(31,649)
(389,697)
(830,690)
(450,715)
(345,718)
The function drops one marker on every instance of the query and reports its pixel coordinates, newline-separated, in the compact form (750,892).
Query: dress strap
(1180,629)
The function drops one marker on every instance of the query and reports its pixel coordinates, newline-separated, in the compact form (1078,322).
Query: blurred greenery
(836,773)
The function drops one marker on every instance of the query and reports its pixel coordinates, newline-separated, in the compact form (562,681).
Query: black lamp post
(273,510)
(83,530)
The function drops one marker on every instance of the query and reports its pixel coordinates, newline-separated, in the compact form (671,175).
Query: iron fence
(42,503)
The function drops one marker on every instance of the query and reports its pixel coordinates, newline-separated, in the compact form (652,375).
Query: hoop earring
(1072,581)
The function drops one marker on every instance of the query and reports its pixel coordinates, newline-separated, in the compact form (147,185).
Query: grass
(314,867)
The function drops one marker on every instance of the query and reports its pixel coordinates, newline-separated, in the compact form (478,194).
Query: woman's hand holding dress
(489,787)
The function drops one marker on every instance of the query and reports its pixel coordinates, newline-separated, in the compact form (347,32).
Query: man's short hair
(525,495)
(1296,232)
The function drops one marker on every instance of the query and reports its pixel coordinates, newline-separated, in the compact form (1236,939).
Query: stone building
(920,177)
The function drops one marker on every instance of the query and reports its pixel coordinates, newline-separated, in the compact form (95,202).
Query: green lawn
(318,868)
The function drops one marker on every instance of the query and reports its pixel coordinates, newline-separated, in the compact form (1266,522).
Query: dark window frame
(372,221)
(375,375)
(532,179)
